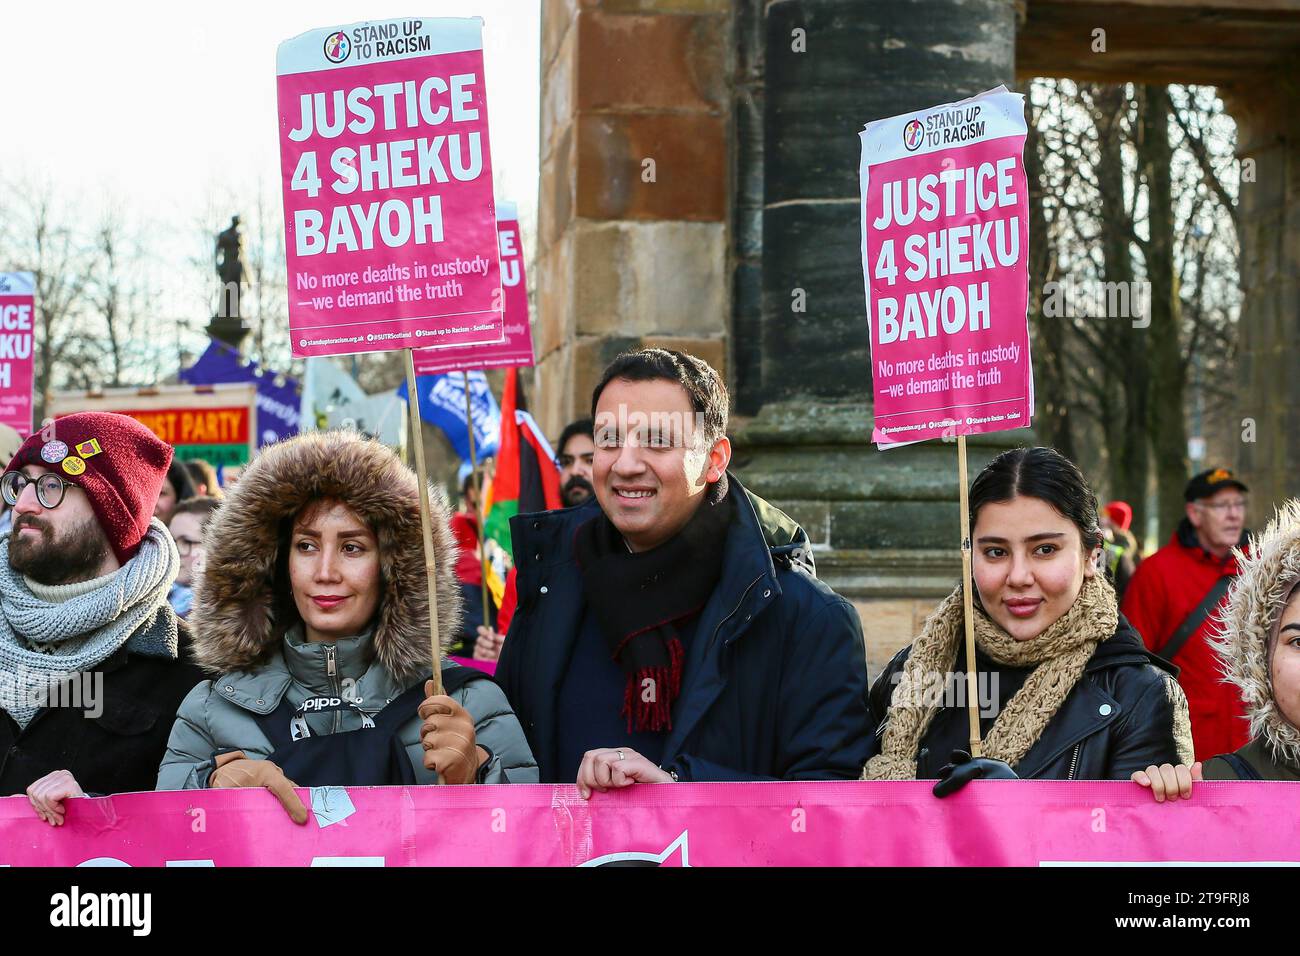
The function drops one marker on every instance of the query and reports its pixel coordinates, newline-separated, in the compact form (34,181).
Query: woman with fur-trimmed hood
(312,614)
(1259,643)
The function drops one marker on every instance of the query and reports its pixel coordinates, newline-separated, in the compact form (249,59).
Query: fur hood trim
(232,620)
(1267,574)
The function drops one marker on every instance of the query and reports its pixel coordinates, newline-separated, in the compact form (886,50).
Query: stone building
(699,190)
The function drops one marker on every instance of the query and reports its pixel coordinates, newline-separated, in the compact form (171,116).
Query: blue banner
(442,403)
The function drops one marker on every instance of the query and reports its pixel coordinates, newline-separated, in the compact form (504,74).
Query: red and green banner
(217,435)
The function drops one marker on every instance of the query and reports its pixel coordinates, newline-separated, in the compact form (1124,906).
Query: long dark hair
(1045,474)
(284,610)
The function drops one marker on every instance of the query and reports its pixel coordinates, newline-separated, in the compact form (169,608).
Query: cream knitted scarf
(1058,655)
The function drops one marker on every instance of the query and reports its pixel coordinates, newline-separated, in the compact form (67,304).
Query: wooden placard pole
(478,500)
(972,695)
(426,523)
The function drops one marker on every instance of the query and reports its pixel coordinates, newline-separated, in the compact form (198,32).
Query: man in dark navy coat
(673,628)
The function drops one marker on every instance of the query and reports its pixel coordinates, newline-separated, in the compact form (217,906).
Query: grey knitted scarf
(44,644)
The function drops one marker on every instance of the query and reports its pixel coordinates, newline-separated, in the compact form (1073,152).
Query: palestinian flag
(525,480)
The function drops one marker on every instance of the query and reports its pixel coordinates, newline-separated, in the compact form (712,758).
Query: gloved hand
(964,768)
(447,735)
(235,770)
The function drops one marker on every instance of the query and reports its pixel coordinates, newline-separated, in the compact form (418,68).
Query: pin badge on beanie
(53,452)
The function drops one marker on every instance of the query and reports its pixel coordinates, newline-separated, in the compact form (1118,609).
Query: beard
(76,555)
(576,490)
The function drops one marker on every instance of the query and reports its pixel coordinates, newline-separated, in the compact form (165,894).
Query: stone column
(1268,402)
(810,74)
(632,222)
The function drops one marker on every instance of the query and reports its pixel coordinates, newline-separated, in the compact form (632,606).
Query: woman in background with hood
(313,612)
(1259,643)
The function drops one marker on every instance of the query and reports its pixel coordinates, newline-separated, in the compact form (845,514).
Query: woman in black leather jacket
(1067,690)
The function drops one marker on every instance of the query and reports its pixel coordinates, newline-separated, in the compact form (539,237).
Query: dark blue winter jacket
(775,681)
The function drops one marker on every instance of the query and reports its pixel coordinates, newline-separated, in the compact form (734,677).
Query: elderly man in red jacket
(1173,598)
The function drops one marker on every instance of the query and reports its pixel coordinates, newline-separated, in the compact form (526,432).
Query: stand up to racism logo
(913,134)
(337,47)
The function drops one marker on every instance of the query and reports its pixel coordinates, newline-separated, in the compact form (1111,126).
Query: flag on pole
(526,479)
(442,403)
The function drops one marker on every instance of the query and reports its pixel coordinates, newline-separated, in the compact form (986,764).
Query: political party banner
(945,251)
(390,228)
(989,823)
(17,315)
(217,423)
(277,395)
(517,347)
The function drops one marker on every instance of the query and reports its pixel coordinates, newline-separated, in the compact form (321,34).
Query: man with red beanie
(1173,598)
(91,672)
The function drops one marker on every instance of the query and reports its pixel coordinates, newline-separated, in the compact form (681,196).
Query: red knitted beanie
(115,460)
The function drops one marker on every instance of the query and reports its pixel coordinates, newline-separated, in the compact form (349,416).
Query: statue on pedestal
(230,269)
(227,324)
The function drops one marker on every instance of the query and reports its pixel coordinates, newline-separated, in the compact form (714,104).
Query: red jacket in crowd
(1165,589)
(469,571)
(464,529)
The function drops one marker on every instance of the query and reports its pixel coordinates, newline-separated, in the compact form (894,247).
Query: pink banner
(17,315)
(945,251)
(389,215)
(517,349)
(990,823)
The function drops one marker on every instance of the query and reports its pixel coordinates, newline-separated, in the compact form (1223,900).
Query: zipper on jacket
(1074,760)
(331,670)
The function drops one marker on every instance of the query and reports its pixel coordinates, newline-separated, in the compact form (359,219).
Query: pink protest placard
(989,823)
(17,316)
(945,252)
(390,225)
(517,349)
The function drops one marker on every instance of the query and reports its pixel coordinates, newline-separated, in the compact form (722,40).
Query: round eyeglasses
(50,488)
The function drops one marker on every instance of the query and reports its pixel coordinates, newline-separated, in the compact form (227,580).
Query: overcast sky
(168,106)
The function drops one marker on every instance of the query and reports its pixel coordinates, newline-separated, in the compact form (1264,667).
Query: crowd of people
(666,625)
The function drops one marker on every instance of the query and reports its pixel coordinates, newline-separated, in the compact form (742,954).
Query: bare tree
(41,237)
(122,294)
(1167,424)
(1134,185)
